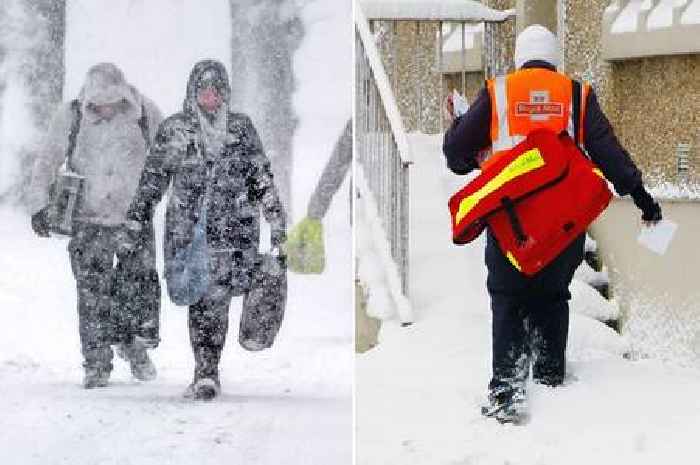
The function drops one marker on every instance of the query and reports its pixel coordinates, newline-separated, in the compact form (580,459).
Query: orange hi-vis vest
(530,99)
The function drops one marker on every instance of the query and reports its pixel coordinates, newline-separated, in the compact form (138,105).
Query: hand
(651,211)
(450,108)
(277,239)
(305,249)
(653,216)
(128,237)
(40,222)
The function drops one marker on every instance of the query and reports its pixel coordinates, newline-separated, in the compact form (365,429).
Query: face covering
(209,99)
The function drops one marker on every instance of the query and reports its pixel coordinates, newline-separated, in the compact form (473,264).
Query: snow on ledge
(445,10)
(640,28)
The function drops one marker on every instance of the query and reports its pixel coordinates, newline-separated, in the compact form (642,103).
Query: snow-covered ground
(418,392)
(291,404)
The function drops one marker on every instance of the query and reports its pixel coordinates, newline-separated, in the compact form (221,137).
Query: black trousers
(208,318)
(117,299)
(530,318)
(263,283)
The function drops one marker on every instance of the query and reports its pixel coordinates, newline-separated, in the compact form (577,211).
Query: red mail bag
(536,198)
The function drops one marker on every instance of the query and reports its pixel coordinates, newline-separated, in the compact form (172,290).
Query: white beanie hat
(536,43)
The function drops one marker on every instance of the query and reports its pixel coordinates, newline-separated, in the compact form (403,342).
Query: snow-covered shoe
(95,377)
(203,389)
(506,407)
(142,367)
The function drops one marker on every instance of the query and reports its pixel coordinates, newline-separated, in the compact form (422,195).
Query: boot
(95,377)
(98,367)
(506,406)
(203,389)
(135,353)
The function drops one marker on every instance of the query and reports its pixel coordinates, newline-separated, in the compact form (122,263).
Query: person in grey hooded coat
(111,126)
(215,163)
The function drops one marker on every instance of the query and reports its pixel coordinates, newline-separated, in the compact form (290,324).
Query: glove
(128,239)
(304,247)
(278,238)
(40,222)
(651,211)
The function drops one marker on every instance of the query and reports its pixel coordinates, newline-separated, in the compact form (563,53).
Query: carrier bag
(264,304)
(536,198)
(187,270)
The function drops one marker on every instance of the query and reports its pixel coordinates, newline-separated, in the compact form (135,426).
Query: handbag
(264,304)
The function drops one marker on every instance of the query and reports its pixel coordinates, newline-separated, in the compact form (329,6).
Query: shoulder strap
(143,124)
(576,109)
(73,134)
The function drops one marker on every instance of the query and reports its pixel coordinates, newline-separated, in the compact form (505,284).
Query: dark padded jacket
(471,133)
(239,176)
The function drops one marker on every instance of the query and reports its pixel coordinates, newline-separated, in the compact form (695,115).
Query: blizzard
(419,391)
(290,404)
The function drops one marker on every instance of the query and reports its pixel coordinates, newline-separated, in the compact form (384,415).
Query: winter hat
(536,43)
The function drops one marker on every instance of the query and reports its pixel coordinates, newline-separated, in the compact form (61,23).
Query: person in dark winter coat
(112,126)
(531,314)
(217,167)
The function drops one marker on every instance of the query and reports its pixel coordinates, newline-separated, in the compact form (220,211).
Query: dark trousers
(117,299)
(208,318)
(530,318)
(528,334)
(263,283)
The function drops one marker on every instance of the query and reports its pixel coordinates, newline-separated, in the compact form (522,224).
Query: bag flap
(540,160)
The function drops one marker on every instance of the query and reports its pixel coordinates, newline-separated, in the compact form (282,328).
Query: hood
(210,68)
(105,83)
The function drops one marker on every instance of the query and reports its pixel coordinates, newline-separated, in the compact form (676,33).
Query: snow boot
(95,377)
(506,407)
(97,366)
(203,389)
(135,353)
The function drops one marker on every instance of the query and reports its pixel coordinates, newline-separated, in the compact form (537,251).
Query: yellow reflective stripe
(598,172)
(513,261)
(528,161)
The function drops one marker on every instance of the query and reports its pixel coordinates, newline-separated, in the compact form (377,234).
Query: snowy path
(419,391)
(289,405)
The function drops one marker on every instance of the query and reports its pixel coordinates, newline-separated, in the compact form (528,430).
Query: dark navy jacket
(471,133)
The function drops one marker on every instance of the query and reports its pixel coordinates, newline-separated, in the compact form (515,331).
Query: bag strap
(73,134)
(520,236)
(143,124)
(576,109)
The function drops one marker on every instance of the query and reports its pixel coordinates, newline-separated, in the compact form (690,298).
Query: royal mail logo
(548,109)
(539,108)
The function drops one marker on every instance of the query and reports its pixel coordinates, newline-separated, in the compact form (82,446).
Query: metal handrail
(382,152)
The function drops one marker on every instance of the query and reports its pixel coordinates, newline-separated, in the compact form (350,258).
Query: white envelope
(658,237)
(461,106)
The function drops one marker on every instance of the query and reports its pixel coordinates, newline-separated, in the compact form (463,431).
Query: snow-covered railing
(382,151)
(455,49)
